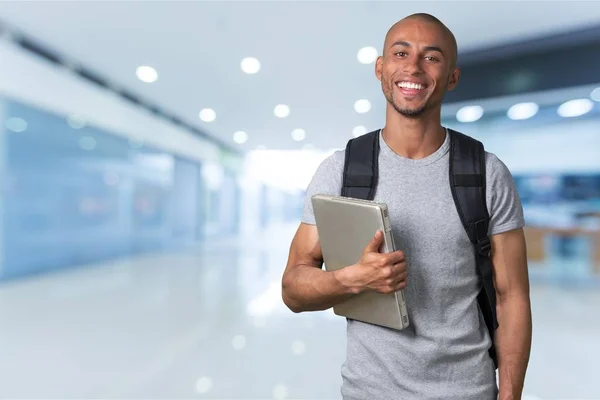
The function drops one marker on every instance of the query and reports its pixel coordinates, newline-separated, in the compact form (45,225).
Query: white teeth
(409,85)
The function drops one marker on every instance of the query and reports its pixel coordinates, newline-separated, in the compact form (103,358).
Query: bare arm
(307,287)
(513,336)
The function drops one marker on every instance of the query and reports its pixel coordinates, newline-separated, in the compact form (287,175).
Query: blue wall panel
(75,196)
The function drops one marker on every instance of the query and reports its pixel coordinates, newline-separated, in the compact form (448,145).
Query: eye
(431,58)
(400,53)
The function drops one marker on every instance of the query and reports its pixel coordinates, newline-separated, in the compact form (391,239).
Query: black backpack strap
(467,182)
(361,167)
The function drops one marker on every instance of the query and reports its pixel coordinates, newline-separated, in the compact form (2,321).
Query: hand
(382,272)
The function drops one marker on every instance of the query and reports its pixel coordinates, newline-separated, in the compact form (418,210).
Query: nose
(412,66)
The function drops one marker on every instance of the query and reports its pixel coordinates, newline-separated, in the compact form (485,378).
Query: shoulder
(496,171)
(502,197)
(334,160)
(492,161)
(327,180)
(328,175)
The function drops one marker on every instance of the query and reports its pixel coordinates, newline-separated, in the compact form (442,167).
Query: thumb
(375,243)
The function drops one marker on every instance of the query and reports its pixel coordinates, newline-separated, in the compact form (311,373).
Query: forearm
(513,344)
(312,289)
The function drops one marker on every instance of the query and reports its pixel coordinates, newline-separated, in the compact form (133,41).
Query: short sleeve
(503,201)
(326,180)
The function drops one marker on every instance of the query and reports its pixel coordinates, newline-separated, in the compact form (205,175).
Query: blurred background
(153,158)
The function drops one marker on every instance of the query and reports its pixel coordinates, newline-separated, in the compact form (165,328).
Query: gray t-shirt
(444,352)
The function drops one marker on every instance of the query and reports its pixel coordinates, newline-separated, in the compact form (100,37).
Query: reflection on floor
(209,323)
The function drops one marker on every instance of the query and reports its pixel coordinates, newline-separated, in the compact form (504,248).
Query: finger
(399,256)
(401,277)
(401,285)
(401,266)
(398,273)
(390,258)
(374,243)
(394,257)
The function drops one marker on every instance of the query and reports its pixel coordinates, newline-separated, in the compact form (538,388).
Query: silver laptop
(345,227)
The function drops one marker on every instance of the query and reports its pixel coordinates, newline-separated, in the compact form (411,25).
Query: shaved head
(418,66)
(433,20)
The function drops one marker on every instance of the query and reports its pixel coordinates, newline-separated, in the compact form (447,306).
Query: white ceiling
(307,52)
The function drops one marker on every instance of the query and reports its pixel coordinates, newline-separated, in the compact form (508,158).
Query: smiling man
(422,85)
(447,352)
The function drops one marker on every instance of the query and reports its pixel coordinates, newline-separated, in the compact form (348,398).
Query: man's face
(417,67)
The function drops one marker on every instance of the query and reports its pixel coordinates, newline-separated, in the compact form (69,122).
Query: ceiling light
(522,111)
(250,65)
(362,106)
(298,135)
(281,111)
(359,131)
(240,137)
(575,108)
(298,347)
(595,95)
(469,114)
(281,392)
(16,124)
(203,385)
(146,74)
(238,342)
(367,55)
(76,121)
(207,115)
(87,143)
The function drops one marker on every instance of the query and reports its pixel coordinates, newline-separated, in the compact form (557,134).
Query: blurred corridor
(154,157)
(209,323)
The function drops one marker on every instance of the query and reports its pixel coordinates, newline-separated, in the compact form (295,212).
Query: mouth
(411,88)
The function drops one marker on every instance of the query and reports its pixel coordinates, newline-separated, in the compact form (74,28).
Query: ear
(454,78)
(379,67)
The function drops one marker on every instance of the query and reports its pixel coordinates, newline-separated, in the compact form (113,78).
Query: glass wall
(75,194)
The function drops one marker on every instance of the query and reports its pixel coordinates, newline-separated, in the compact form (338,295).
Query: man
(444,353)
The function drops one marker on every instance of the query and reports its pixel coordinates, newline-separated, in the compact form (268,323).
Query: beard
(405,111)
(409,112)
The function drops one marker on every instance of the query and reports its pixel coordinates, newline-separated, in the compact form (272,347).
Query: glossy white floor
(209,323)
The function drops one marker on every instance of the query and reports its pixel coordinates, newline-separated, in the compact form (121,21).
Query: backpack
(467,183)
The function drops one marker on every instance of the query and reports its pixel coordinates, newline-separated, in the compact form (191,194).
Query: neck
(413,138)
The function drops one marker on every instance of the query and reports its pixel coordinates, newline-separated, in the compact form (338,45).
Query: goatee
(408,112)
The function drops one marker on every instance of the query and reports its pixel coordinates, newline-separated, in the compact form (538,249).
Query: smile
(410,85)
